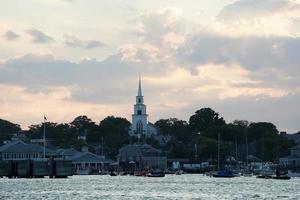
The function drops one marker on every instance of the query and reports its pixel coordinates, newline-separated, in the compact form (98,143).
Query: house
(141,156)
(19,150)
(84,159)
(293,159)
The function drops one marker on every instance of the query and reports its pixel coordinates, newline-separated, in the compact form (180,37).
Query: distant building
(84,159)
(82,136)
(18,150)
(293,159)
(137,156)
(140,125)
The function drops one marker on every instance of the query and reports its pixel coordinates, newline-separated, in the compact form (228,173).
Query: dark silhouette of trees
(204,119)
(7,129)
(197,139)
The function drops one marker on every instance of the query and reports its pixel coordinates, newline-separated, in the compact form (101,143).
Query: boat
(282,177)
(113,173)
(264,176)
(140,173)
(247,174)
(84,171)
(293,174)
(123,173)
(223,174)
(156,173)
(178,172)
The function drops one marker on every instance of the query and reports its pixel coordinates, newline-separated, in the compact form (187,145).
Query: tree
(269,144)
(7,129)
(60,135)
(174,127)
(82,123)
(205,118)
(114,130)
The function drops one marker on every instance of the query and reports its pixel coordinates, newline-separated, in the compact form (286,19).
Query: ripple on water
(129,187)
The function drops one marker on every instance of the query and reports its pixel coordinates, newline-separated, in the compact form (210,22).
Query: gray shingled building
(141,156)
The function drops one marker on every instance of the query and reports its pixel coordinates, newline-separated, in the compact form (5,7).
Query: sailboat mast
(218,151)
(44,138)
(101,146)
(236,149)
(247,149)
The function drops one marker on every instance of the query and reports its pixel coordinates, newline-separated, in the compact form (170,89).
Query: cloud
(11,35)
(109,86)
(184,67)
(74,42)
(261,17)
(39,37)
(253,53)
(154,26)
(245,9)
(55,102)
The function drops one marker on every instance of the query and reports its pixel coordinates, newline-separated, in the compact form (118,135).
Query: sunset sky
(67,58)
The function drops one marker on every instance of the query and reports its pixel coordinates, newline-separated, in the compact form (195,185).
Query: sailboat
(247,172)
(221,173)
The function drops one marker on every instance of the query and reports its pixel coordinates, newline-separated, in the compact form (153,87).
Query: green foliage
(7,129)
(204,119)
(199,136)
(114,130)
(174,127)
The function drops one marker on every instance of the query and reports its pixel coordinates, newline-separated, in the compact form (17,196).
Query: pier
(36,169)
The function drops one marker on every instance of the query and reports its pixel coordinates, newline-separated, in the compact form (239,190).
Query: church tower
(139,117)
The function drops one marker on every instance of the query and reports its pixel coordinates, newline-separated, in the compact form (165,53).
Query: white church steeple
(139,97)
(140,126)
(140,87)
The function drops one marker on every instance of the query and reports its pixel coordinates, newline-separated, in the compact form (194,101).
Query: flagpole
(44,137)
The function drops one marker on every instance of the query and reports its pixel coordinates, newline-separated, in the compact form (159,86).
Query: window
(139,100)
(139,112)
(139,127)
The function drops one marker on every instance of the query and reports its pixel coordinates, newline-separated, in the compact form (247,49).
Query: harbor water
(186,186)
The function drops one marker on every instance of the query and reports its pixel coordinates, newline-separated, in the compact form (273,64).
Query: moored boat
(293,174)
(264,176)
(140,173)
(113,173)
(156,173)
(223,174)
(282,177)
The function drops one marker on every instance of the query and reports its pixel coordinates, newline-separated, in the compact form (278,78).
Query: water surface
(185,186)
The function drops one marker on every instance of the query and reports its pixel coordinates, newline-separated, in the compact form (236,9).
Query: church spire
(140,87)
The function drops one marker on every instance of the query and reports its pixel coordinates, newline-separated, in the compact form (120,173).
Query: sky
(65,58)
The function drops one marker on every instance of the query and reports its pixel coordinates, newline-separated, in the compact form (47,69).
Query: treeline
(198,138)
(195,139)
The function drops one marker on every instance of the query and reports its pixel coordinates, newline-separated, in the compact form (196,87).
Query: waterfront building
(140,126)
(19,150)
(84,159)
(141,156)
(293,159)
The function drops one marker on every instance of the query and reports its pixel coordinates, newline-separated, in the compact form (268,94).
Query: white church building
(140,126)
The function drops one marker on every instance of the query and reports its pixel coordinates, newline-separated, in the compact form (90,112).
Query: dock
(36,169)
